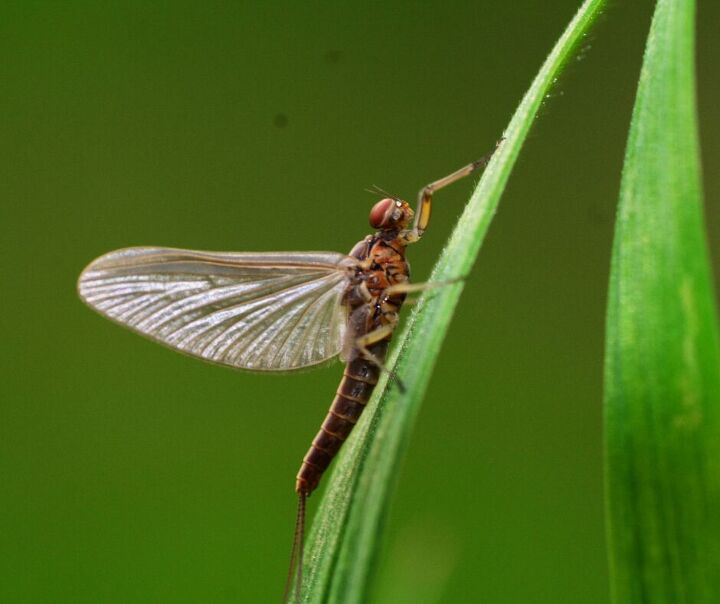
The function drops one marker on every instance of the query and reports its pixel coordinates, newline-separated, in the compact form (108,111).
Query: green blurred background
(134,474)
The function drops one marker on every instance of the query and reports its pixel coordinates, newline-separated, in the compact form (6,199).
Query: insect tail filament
(298,553)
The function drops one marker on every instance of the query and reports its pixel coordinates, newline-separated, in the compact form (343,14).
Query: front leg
(424,207)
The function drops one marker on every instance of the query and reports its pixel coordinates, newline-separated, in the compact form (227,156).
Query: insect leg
(410,288)
(377,335)
(374,336)
(424,207)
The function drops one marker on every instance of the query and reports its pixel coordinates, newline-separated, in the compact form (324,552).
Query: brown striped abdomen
(355,388)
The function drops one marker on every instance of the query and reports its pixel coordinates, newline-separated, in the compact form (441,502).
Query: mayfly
(277,311)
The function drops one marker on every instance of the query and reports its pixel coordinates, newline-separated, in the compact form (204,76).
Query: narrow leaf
(662,375)
(343,544)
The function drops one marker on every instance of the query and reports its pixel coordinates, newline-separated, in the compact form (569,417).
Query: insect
(277,311)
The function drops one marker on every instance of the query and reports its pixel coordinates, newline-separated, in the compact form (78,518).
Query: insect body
(276,311)
(373,297)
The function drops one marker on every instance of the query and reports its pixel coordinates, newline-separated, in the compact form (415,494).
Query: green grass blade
(662,376)
(343,543)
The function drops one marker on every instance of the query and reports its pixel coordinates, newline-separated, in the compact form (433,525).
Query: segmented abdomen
(356,386)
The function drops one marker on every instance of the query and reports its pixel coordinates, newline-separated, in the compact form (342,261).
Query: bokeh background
(133,474)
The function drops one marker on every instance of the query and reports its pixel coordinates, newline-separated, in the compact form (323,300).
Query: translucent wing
(265,312)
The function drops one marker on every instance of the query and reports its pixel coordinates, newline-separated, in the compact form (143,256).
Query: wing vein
(276,311)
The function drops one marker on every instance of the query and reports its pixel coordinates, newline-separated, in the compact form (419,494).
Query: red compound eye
(379,211)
